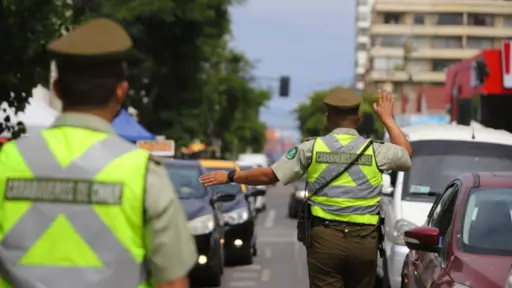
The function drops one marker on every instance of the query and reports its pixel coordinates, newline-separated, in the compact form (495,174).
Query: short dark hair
(91,85)
(340,113)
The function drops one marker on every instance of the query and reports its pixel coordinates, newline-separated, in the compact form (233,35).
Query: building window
(393,18)
(441,65)
(480,20)
(387,64)
(447,43)
(361,47)
(363,32)
(507,21)
(362,16)
(419,66)
(419,19)
(420,42)
(389,41)
(480,43)
(449,19)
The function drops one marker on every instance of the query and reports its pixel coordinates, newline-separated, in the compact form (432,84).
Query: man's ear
(121,91)
(56,87)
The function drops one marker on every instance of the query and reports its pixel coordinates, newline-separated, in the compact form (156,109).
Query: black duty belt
(317,221)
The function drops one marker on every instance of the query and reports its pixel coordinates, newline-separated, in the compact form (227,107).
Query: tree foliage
(25,28)
(312,121)
(186,81)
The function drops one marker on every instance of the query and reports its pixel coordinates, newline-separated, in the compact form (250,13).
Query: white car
(259,203)
(440,153)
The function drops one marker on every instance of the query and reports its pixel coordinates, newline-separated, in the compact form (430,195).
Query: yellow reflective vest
(71,211)
(353,196)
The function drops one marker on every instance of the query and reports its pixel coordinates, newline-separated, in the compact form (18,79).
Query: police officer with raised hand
(345,208)
(81,207)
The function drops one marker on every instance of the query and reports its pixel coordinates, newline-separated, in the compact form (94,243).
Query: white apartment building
(363,44)
(437,32)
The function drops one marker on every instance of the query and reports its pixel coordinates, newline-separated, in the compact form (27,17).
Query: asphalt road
(281,260)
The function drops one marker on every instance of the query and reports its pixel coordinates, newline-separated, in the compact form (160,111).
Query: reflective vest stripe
(119,269)
(355,172)
(359,199)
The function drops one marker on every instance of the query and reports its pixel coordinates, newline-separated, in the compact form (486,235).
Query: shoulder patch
(291,153)
(308,138)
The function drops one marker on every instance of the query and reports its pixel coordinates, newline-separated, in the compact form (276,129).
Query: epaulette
(308,138)
(378,141)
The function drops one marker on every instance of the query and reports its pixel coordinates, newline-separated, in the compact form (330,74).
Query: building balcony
(441,30)
(443,6)
(360,39)
(364,24)
(360,70)
(401,76)
(426,53)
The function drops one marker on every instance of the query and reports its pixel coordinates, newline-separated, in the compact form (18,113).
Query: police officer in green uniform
(79,206)
(346,212)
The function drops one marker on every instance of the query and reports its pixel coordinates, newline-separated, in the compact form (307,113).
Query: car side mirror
(256,193)
(387,188)
(422,239)
(223,197)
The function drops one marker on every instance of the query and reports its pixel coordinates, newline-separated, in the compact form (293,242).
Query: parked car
(440,153)
(467,238)
(240,237)
(259,202)
(206,223)
(297,197)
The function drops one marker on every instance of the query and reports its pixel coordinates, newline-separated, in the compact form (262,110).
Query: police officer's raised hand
(218,177)
(384,105)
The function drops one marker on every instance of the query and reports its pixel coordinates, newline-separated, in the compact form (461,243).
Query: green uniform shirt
(171,251)
(292,166)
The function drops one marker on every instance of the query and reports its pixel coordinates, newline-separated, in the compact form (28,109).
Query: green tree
(25,29)
(187,83)
(312,122)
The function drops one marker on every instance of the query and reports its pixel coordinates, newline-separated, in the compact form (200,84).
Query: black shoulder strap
(326,183)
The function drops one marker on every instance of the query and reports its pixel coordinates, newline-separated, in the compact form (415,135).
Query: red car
(467,239)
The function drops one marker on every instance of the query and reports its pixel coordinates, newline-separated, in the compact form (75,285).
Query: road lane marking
(245,274)
(242,284)
(250,267)
(269,222)
(265,275)
(268,253)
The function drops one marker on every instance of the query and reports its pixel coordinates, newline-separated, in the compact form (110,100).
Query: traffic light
(284,86)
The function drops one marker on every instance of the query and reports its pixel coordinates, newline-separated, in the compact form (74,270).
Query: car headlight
(401,225)
(236,217)
(301,194)
(202,225)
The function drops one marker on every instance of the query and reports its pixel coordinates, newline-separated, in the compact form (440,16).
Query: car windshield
(487,226)
(185,179)
(228,188)
(436,163)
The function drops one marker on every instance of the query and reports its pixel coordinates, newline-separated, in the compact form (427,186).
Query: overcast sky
(312,41)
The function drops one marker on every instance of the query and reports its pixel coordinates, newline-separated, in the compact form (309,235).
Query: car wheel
(215,279)
(291,212)
(254,250)
(245,257)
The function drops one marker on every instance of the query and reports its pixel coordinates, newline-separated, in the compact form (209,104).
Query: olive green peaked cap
(99,38)
(342,98)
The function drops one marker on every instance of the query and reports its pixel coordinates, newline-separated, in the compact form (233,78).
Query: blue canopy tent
(130,129)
